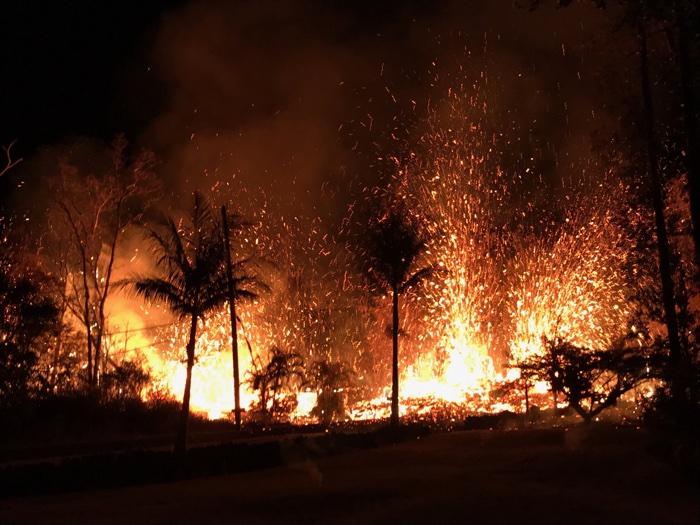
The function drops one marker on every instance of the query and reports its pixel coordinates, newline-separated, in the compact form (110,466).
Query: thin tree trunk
(263,401)
(692,149)
(275,388)
(53,376)
(88,334)
(552,380)
(181,439)
(234,328)
(103,294)
(395,358)
(86,296)
(97,352)
(665,270)
(527,398)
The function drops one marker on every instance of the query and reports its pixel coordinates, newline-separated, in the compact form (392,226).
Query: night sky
(283,94)
(84,68)
(65,65)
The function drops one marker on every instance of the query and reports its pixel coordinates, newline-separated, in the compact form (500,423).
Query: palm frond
(156,290)
(417,278)
(392,248)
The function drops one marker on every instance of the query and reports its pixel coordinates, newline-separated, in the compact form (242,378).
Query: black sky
(68,65)
(61,63)
(281,92)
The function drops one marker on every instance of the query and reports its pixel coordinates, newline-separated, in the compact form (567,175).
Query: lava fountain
(511,273)
(569,280)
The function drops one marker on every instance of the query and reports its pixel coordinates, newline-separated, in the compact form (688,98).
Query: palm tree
(330,378)
(241,285)
(393,249)
(281,371)
(191,280)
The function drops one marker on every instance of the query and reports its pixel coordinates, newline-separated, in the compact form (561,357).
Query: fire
(508,275)
(212,382)
(572,285)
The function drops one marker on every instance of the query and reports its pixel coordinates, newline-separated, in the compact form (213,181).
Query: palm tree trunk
(236,366)
(181,439)
(234,329)
(395,358)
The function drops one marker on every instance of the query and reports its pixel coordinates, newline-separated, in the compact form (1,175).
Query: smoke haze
(290,96)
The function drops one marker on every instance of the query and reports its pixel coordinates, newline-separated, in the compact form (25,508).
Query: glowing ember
(509,275)
(571,284)
(504,285)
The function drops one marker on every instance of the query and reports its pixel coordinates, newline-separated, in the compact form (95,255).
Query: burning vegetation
(458,282)
(491,279)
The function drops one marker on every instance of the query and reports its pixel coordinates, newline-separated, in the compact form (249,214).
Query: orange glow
(506,277)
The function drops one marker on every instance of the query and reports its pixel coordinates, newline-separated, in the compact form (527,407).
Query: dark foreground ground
(578,476)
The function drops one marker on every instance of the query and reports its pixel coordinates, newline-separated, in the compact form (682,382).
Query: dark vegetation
(591,381)
(77,420)
(330,381)
(275,381)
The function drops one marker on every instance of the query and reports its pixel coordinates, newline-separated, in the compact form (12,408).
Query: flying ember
(515,263)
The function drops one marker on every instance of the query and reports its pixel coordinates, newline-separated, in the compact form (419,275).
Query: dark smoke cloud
(270,90)
(282,93)
(256,88)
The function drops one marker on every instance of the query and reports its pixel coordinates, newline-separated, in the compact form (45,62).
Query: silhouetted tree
(241,284)
(684,43)
(645,17)
(663,245)
(330,379)
(191,280)
(393,249)
(89,216)
(283,371)
(59,364)
(28,316)
(124,382)
(591,380)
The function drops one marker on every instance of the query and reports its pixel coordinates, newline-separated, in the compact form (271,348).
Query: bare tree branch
(10,163)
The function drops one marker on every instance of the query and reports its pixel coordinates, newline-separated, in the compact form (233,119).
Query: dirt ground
(579,476)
